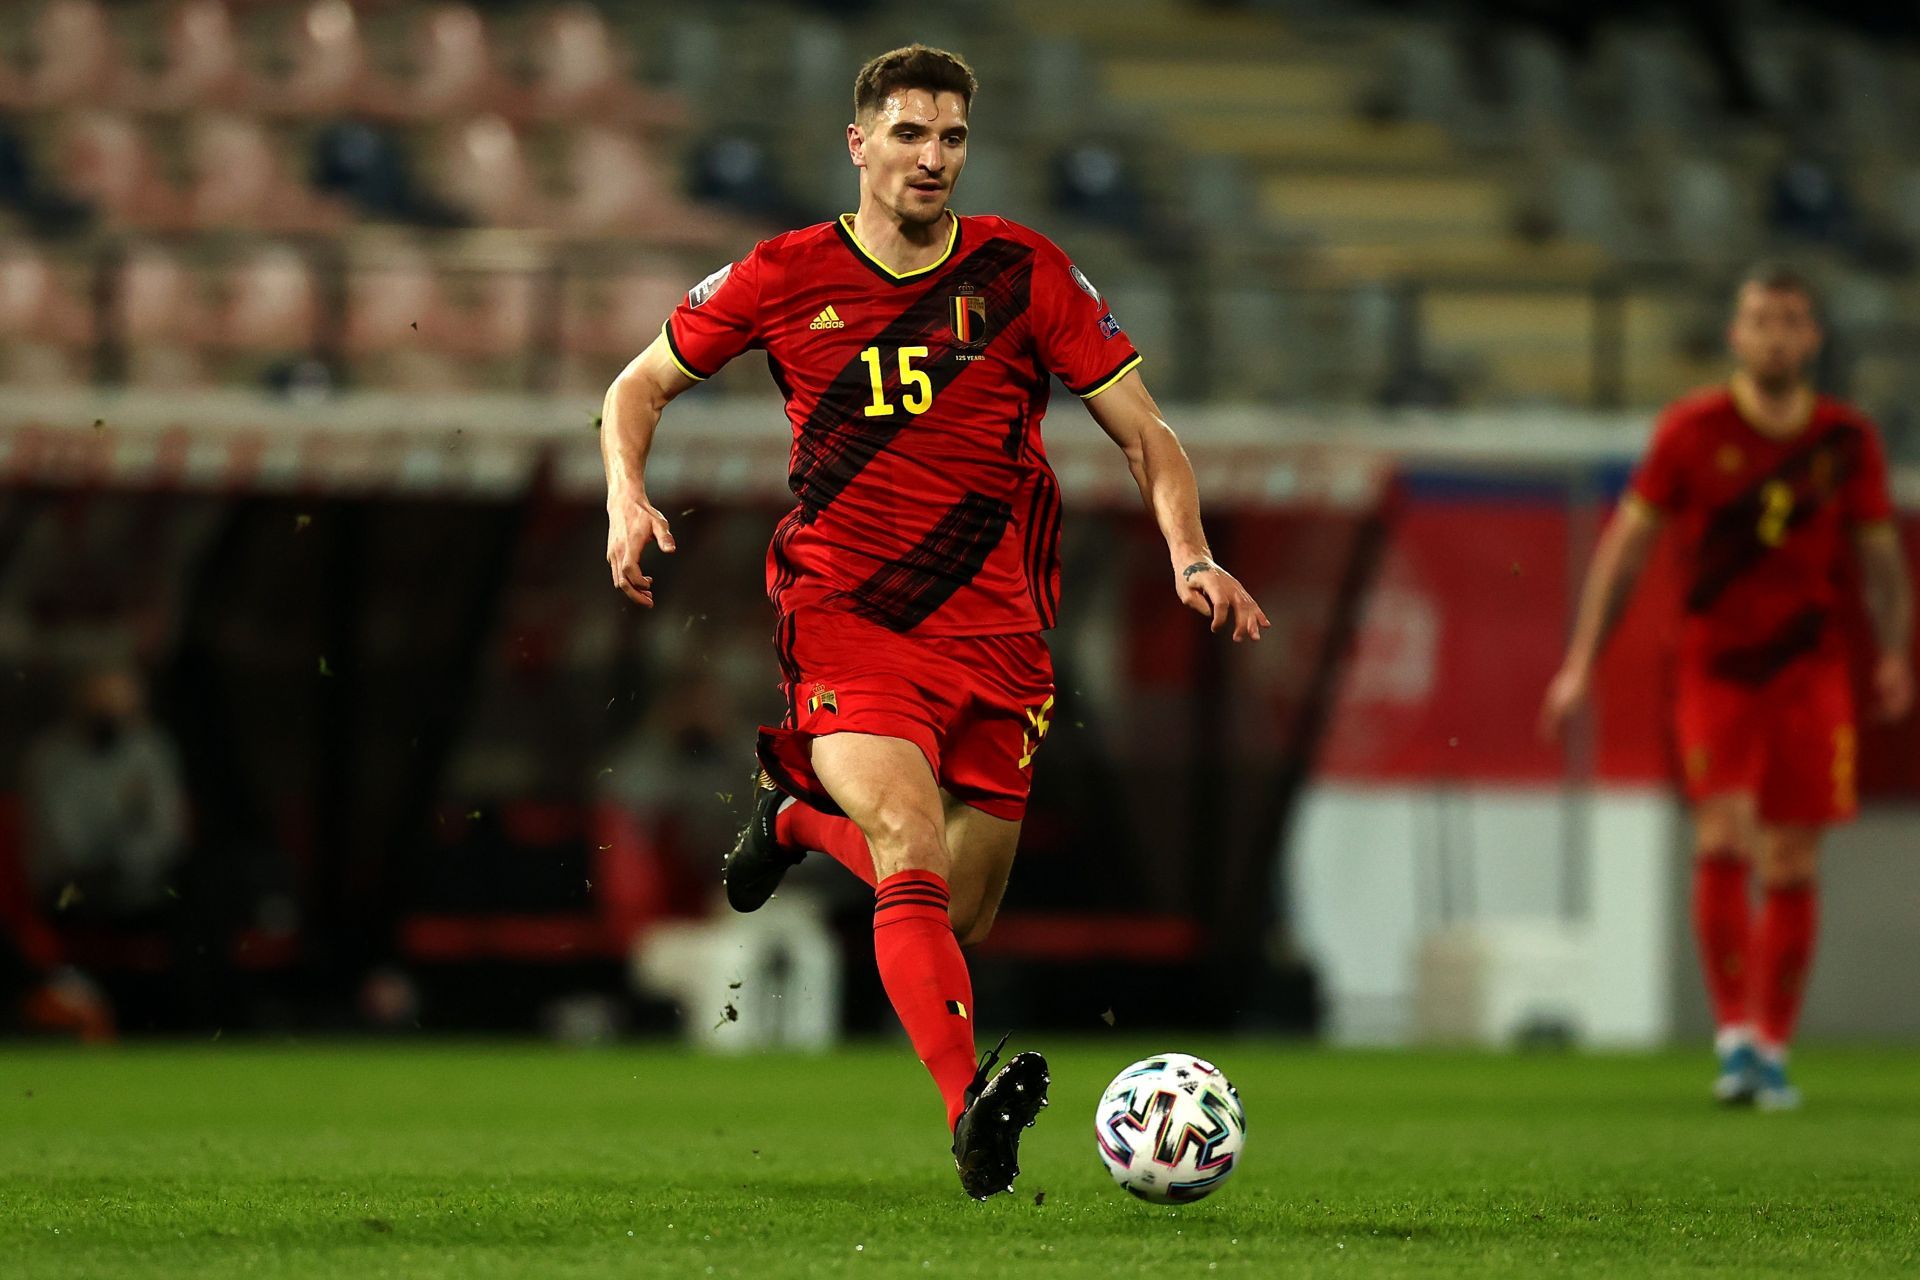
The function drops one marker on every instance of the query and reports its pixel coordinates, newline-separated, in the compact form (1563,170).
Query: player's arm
(628,418)
(1624,547)
(1130,417)
(1889,597)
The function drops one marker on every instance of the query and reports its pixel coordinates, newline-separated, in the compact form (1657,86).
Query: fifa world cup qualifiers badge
(708,287)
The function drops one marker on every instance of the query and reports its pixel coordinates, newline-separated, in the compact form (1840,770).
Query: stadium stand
(1358,203)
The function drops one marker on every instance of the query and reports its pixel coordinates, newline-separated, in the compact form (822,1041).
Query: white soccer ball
(1170,1128)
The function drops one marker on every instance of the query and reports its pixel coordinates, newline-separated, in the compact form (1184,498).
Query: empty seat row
(324,63)
(175,318)
(235,173)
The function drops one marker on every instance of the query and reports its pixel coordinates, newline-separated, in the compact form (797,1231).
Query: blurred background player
(914,580)
(1767,482)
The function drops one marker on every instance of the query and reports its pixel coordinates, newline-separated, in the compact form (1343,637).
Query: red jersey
(1765,525)
(925,500)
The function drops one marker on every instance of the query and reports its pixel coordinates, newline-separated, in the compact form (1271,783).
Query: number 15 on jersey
(916,387)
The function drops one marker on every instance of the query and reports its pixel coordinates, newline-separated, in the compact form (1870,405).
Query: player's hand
(633,523)
(1892,686)
(1211,591)
(1566,694)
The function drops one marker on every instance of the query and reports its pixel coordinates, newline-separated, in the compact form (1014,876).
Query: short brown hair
(916,66)
(1783,276)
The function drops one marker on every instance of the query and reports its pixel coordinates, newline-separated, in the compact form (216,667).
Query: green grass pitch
(480,1161)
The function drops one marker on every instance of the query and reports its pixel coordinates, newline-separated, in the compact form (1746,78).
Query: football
(1170,1128)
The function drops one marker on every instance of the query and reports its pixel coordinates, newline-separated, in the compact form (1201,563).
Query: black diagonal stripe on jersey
(1757,663)
(838,439)
(903,592)
(783,570)
(1043,534)
(1730,545)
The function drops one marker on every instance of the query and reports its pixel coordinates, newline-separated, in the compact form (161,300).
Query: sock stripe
(908,880)
(938,904)
(913,891)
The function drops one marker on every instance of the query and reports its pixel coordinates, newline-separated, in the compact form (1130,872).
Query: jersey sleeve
(1660,479)
(1866,498)
(718,318)
(1075,334)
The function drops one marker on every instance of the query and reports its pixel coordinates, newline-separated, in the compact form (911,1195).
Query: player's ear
(857,145)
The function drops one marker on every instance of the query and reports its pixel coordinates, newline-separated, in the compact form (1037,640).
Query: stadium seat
(76,59)
(1708,218)
(580,73)
(399,325)
(454,74)
(238,181)
(203,66)
(105,159)
(618,317)
(46,320)
(494,314)
(617,186)
(482,171)
(332,71)
(605,321)
(162,318)
(272,304)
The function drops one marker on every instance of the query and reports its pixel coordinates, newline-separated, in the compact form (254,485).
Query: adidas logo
(828,319)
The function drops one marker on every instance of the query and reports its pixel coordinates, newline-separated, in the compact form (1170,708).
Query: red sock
(1782,954)
(926,979)
(801,826)
(1720,913)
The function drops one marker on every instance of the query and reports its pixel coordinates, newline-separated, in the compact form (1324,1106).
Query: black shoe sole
(986,1145)
(756,865)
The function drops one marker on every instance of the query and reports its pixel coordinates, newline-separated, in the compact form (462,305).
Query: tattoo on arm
(1198,566)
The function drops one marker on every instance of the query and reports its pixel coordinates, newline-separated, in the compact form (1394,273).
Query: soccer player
(1766,483)
(914,348)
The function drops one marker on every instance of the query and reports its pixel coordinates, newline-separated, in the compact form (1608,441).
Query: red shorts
(1789,743)
(976,706)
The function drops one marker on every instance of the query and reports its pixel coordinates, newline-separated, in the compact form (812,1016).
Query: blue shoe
(1775,1092)
(1738,1083)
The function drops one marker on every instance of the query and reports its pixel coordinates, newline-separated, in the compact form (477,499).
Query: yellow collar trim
(953,238)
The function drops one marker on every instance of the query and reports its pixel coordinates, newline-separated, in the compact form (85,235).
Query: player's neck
(1779,412)
(897,244)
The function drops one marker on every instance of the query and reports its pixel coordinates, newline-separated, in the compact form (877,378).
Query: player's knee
(1721,828)
(904,839)
(1790,867)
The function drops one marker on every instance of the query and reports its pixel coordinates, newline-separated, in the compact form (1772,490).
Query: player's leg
(982,846)
(841,676)
(986,768)
(1722,740)
(1783,950)
(986,1142)
(986,757)
(1809,785)
(1725,830)
(887,788)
